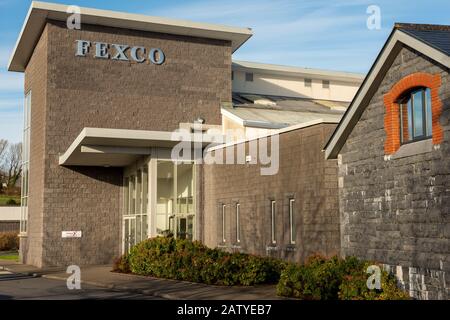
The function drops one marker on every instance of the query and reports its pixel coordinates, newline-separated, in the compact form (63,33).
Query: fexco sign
(137,54)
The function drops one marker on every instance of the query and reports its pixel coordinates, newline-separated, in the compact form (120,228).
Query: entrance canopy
(121,147)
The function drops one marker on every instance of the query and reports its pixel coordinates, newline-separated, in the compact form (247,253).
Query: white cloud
(291,32)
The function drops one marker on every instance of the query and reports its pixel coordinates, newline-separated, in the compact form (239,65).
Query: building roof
(39,12)
(296,71)
(295,127)
(274,112)
(422,38)
(120,147)
(437,36)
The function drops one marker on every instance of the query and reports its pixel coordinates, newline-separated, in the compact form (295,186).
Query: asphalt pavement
(19,286)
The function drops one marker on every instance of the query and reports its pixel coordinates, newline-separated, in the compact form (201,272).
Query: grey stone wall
(397,211)
(70,93)
(303,175)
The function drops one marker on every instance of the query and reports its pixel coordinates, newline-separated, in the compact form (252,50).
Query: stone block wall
(396,209)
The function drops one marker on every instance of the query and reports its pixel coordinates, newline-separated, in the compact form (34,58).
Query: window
(292,231)
(273,222)
(308,83)
(249,76)
(175,194)
(25,164)
(232,75)
(415,115)
(223,223)
(325,84)
(238,227)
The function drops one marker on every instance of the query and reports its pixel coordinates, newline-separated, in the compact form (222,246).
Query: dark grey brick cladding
(70,93)
(303,175)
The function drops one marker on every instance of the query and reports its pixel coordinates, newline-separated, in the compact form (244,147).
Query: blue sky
(327,34)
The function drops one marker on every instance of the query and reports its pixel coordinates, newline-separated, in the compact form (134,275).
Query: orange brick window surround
(392,115)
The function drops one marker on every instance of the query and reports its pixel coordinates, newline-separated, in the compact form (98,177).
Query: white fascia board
(389,52)
(252,123)
(291,71)
(279,131)
(231,116)
(39,12)
(63,158)
(132,137)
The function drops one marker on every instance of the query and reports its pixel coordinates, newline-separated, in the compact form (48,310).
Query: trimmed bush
(11,202)
(318,279)
(9,241)
(166,257)
(335,278)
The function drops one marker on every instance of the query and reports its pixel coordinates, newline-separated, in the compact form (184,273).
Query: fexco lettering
(137,54)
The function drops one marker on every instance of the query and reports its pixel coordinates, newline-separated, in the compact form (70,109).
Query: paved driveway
(16,286)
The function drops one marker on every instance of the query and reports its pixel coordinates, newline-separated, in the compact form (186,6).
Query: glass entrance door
(135,218)
(129,233)
(175,199)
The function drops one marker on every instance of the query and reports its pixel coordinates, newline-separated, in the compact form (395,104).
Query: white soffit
(39,12)
(120,147)
(371,83)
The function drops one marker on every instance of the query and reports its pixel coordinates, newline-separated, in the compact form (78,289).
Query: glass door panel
(129,234)
(164,196)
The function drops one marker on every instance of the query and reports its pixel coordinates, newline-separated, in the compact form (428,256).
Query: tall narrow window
(415,115)
(273,222)
(292,231)
(223,223)
(132,189)
(25,164)
(238,223)
(126,195)
(144,202)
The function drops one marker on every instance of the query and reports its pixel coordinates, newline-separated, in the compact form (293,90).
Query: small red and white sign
(71,234)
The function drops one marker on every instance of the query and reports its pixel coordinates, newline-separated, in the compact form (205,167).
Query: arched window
(415,115)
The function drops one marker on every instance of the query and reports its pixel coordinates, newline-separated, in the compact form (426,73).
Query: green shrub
(335,278)
(121,264)
(9,241)
(354,287)
(166,257)
(11,202)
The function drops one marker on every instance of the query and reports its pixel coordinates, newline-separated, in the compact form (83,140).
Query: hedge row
(335,278)
(318,278)
(166,257)
(9,241)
